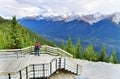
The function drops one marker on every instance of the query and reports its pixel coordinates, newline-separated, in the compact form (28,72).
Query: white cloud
(22,8)
(11,7)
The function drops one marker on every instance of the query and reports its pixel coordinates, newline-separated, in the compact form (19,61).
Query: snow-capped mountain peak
(116,17)
(91,18)
(98,16)
(71,17)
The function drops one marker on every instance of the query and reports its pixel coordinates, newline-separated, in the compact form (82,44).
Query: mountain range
(90,18)
(95,29)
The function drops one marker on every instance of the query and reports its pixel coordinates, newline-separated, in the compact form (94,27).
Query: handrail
(56,50)
(44,49)
(43,70)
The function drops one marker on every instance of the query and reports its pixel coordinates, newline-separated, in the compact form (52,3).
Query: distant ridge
(90,18)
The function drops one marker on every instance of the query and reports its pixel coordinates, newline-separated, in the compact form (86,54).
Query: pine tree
(63,45)
(16,37)
(70,47)
(8,41)
(89,53)
(13,32)
(69,42)
(5,40)
(103,54)
(113,58)
(78,47)
(73,52)
(1,40)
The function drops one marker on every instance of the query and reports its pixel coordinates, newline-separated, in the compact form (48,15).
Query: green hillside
(13,35)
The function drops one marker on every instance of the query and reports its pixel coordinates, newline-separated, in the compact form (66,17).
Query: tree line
(88,52)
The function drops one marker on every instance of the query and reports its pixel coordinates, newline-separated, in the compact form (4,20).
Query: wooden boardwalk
(31,66)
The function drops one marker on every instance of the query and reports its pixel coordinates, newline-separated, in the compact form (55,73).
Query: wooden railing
(43,50)
(43,70)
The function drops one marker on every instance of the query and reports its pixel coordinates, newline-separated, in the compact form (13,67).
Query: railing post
(64,63)
(56,64)
(43,70)
(22,53)
(46,48)
(20,74)
(17,55)
(26,73)
(33,71)
(30,49)
(9,76)
(50,68)
(57,51)
(77,69)
(59,63)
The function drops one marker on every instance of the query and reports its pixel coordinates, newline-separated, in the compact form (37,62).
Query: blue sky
(22,8)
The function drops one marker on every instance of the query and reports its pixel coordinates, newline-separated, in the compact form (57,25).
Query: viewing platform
(23,64)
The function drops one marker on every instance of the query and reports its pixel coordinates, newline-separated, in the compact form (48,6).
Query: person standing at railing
(37,48)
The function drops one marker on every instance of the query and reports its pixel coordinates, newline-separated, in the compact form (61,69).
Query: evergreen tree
(63,45)
(103,54)
(1,40)
(113,58)
(70,47)
(69,42)
(5,40)
(13,32)
(73,52)
(16,35)
(8,40)
(89,53)
(78,47)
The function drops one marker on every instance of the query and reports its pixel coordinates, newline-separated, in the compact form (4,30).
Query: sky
(22,8)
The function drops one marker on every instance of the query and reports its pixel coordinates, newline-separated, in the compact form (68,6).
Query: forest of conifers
(88,53)
(13,35)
